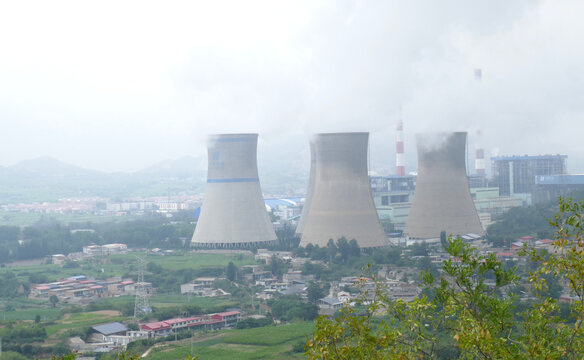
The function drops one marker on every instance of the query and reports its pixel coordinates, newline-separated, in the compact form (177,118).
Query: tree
(462,315)
(231,272)
(54,300)
(277,267)
(344,249)
(355,250)
(443,239)
(419,249)
(331,250)
(425,264)
(315,292)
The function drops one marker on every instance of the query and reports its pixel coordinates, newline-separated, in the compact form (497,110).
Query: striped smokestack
(400,166)
(479,156)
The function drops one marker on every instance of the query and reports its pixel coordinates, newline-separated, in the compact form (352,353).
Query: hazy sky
(120,85)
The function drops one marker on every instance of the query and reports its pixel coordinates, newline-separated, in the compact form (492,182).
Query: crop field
(271,342)
(164,300)
(82,320)
(46,314)
(196,260)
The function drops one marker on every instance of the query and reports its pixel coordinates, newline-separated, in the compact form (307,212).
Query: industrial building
(233,214)
(517,174)
(442,200)
(550,187)
(342,204)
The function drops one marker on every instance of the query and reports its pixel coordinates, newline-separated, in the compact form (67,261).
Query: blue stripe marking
(232,180)
(237,139)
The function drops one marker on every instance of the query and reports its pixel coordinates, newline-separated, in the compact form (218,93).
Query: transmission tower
(141,306)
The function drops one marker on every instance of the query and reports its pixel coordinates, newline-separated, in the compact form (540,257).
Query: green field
(82,320)
(271,342)
(46,314)
(163,300)
(11,218)
(126,264)
(27,309)
(196,260)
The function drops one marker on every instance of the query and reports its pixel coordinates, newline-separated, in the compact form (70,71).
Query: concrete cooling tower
(442,200)
(341,203)
(309,190)
(233,214)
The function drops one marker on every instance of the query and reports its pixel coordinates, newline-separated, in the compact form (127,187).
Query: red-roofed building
(41,290)
(159,328)
(209,322)
(179,323)
(230,318)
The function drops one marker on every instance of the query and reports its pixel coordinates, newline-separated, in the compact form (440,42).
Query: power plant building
(551,187)
(341,204)
(233,214)
(442,199)
(517,174)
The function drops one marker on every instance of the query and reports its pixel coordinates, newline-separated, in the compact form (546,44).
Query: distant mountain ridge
(48,179)
(50,166)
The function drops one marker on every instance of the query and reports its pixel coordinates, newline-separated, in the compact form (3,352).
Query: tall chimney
(479,155)
(400,166)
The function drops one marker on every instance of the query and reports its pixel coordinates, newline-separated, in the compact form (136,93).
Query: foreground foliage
(461,316)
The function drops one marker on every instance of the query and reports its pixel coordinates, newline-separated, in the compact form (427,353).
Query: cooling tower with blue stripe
(233,214)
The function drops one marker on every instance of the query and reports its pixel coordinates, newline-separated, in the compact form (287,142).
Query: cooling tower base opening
(240,245)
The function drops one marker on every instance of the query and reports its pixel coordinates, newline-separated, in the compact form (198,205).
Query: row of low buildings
(205,322)
(110,336)
(81,288)
(102,206)
(89,251)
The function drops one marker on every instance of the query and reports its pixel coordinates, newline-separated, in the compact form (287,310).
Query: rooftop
(110,328)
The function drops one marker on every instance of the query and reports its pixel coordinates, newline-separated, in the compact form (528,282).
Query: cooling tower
(442,199)
(341,203)
(233,213)
(309,191)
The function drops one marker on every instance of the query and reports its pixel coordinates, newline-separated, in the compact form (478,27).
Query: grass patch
(30,314)
(270,335)
(164,300)
(12,218)
(273,342)
(82,320)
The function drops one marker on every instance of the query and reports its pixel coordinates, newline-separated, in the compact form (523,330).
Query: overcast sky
(120,85)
